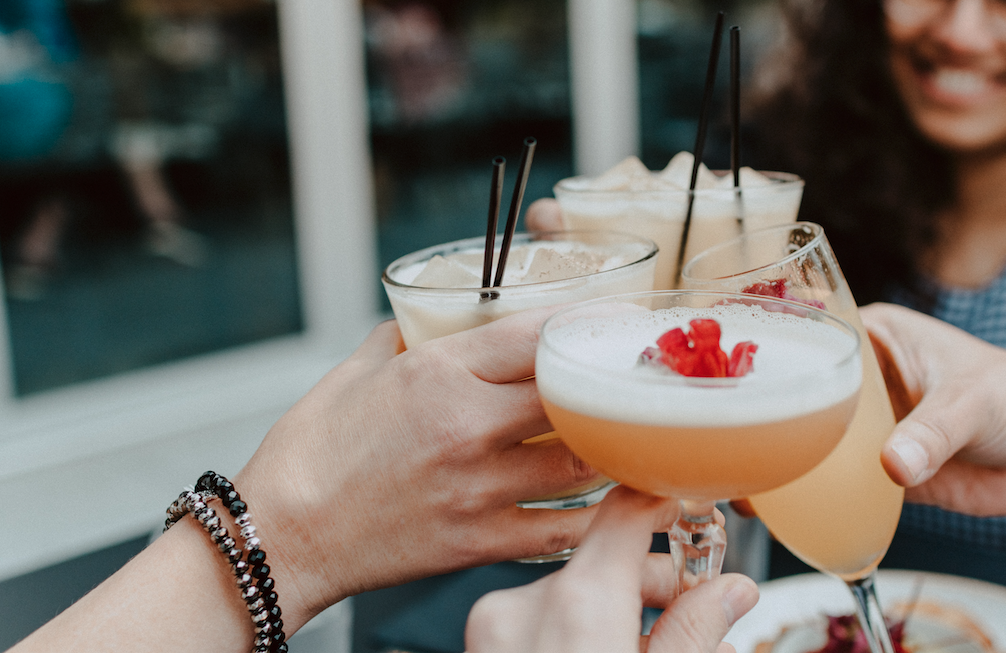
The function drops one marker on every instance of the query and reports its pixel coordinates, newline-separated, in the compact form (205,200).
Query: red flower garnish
(698,352)
(777,288)
(846,636)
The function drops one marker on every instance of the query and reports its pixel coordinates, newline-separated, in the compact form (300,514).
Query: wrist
(241,547)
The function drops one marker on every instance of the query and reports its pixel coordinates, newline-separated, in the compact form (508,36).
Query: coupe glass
(839,518)
(698,439)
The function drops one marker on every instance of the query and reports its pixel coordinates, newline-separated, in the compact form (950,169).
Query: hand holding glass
(839,518)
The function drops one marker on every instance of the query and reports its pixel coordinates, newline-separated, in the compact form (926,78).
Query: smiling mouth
(957,84)
(964,83)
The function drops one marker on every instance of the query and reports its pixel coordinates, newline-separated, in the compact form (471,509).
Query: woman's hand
(401,466)
(594,603)
(544,215)
(948,389)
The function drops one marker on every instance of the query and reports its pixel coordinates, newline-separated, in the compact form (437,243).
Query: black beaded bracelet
(249,567)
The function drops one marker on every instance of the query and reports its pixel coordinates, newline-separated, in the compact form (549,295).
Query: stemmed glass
(839,518)
(698,439)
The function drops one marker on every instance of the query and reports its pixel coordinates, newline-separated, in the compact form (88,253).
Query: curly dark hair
(834,117)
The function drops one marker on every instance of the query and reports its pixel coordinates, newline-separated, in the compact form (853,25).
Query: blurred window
(674,39)
(451,85)
(145,197)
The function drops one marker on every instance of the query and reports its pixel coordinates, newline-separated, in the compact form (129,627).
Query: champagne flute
(841,516)
(696,438)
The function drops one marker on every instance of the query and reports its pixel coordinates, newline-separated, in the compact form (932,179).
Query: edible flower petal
(777,288)
(698,353)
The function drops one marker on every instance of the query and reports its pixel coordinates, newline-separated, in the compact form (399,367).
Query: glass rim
(518,238)
(698,382)
(818,238)
(780,179)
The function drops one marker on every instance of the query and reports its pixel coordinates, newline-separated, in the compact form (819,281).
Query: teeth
(959,82)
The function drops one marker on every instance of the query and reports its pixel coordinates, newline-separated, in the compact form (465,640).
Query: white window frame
(93,464)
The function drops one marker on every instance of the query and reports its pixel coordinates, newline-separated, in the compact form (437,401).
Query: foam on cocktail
(532,263)
(590,367)
(437,291)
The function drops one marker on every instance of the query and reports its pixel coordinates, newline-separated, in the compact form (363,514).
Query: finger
(966,488)
(502,351)
(944,422)
(544,215)
(902,400)
(660,580)
(504,414)
(743,508)
(700,618)
(523,533)
(382,344)
(724,647)
(618,542)
(543,468)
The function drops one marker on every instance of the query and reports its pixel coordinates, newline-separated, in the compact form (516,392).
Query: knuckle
(489,621)
(699,633)
(581,471)
(562,537)
(939,438)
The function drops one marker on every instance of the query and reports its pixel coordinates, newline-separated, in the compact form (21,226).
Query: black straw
(735,104)
(526,155)
(700,137)
(735,119)
(495,197)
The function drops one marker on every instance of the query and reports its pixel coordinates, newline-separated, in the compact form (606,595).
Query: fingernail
(914,457)
(739,598)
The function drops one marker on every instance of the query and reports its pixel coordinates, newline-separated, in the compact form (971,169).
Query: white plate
(795,599)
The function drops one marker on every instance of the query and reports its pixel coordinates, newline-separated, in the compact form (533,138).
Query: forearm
(177,595)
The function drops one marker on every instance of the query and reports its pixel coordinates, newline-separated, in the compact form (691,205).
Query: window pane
(674,39)
(144,181)
(453,84)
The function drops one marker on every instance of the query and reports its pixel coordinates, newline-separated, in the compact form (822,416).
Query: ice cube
(751,177)
(679,173)
(445,273)
(624,176)
(471,261)
(550,265)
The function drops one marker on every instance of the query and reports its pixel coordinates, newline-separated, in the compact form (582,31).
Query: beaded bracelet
(257,586)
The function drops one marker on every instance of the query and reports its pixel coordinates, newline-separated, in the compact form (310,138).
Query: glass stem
(871,617)
(697,544)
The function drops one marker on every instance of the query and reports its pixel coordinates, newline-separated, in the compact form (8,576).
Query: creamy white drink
(437,291)
(632,199)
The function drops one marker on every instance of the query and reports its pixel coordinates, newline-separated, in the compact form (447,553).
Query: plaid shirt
(983,314)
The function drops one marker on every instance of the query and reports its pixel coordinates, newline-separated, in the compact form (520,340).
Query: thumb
(960,415)
(700,618)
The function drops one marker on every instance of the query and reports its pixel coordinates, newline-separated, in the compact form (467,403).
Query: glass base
(558,556)
(580,500)
(697,544)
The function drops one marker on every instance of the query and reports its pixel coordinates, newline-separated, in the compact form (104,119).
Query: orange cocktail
(695,438)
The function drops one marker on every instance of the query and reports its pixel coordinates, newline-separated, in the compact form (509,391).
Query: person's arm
(594,603)
(394,467)
(949,393)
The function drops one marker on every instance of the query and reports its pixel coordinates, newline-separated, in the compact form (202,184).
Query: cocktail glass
(425,313)
(839,518)
(658,213)
(698,439)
